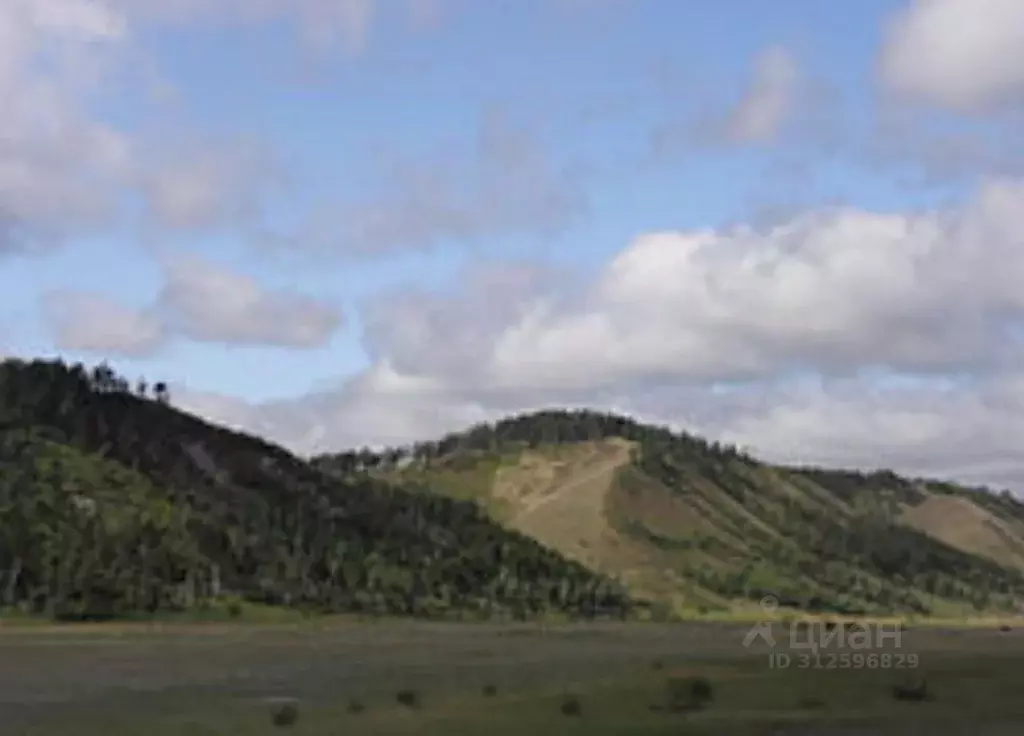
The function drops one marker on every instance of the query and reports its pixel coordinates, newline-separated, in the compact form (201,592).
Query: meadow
(394,677)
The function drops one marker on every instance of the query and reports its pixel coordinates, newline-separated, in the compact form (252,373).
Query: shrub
(490,690)
(356,706)
(284,713)
(409,698)
(571,705)
(914,690)
(1005,627)
(688,693)
(657,665)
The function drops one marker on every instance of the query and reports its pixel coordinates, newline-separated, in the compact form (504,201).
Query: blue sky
(233,199)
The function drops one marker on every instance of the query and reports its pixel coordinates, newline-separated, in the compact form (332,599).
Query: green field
(220,679)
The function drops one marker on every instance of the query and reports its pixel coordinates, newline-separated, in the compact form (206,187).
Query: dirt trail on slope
(596,479)
(561,502)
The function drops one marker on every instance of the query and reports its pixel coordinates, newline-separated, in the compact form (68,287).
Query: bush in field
(684,694)
(284,713)
(913,690)
(571,705)
(408,697)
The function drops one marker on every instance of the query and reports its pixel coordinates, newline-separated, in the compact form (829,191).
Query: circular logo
(769,604)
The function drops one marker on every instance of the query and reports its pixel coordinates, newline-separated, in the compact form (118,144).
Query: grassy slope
(588,501)
(963,523)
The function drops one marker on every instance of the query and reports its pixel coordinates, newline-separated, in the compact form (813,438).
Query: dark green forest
(113,502)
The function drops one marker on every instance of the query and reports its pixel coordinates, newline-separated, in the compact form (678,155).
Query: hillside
(687,523)
(113,502)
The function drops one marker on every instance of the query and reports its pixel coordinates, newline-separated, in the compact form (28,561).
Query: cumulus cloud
(209,303)
(939,429)
(199,301)
(842,336)
(57,165)
(402,327)
(835,335)
(378,407)
(965,55)
(205,184)
(93,323)
(944,429)
(828,290)
(64,169)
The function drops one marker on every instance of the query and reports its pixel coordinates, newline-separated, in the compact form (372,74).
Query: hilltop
(114,503)
(689,524)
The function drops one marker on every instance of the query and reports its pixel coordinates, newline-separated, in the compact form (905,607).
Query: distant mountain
(113,503)
(685,523)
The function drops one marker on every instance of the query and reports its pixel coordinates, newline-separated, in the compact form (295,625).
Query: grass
(227,610)
(469,681)
(744,699)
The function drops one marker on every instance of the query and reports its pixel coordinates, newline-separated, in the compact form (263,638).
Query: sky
(795,226)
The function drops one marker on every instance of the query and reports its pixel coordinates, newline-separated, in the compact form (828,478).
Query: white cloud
(966,55)
(828,290)
(93,323)
(64,169)
(928,428)
(378,407)
(767,102)
(199,301)
(206,302)
(836,293)
(883,314)
(58,167)
(207,184)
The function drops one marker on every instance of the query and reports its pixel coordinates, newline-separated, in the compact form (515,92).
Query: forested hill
(113,502)
(694,524)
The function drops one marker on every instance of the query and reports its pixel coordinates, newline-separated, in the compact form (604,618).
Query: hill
(112,502)
(682,522)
